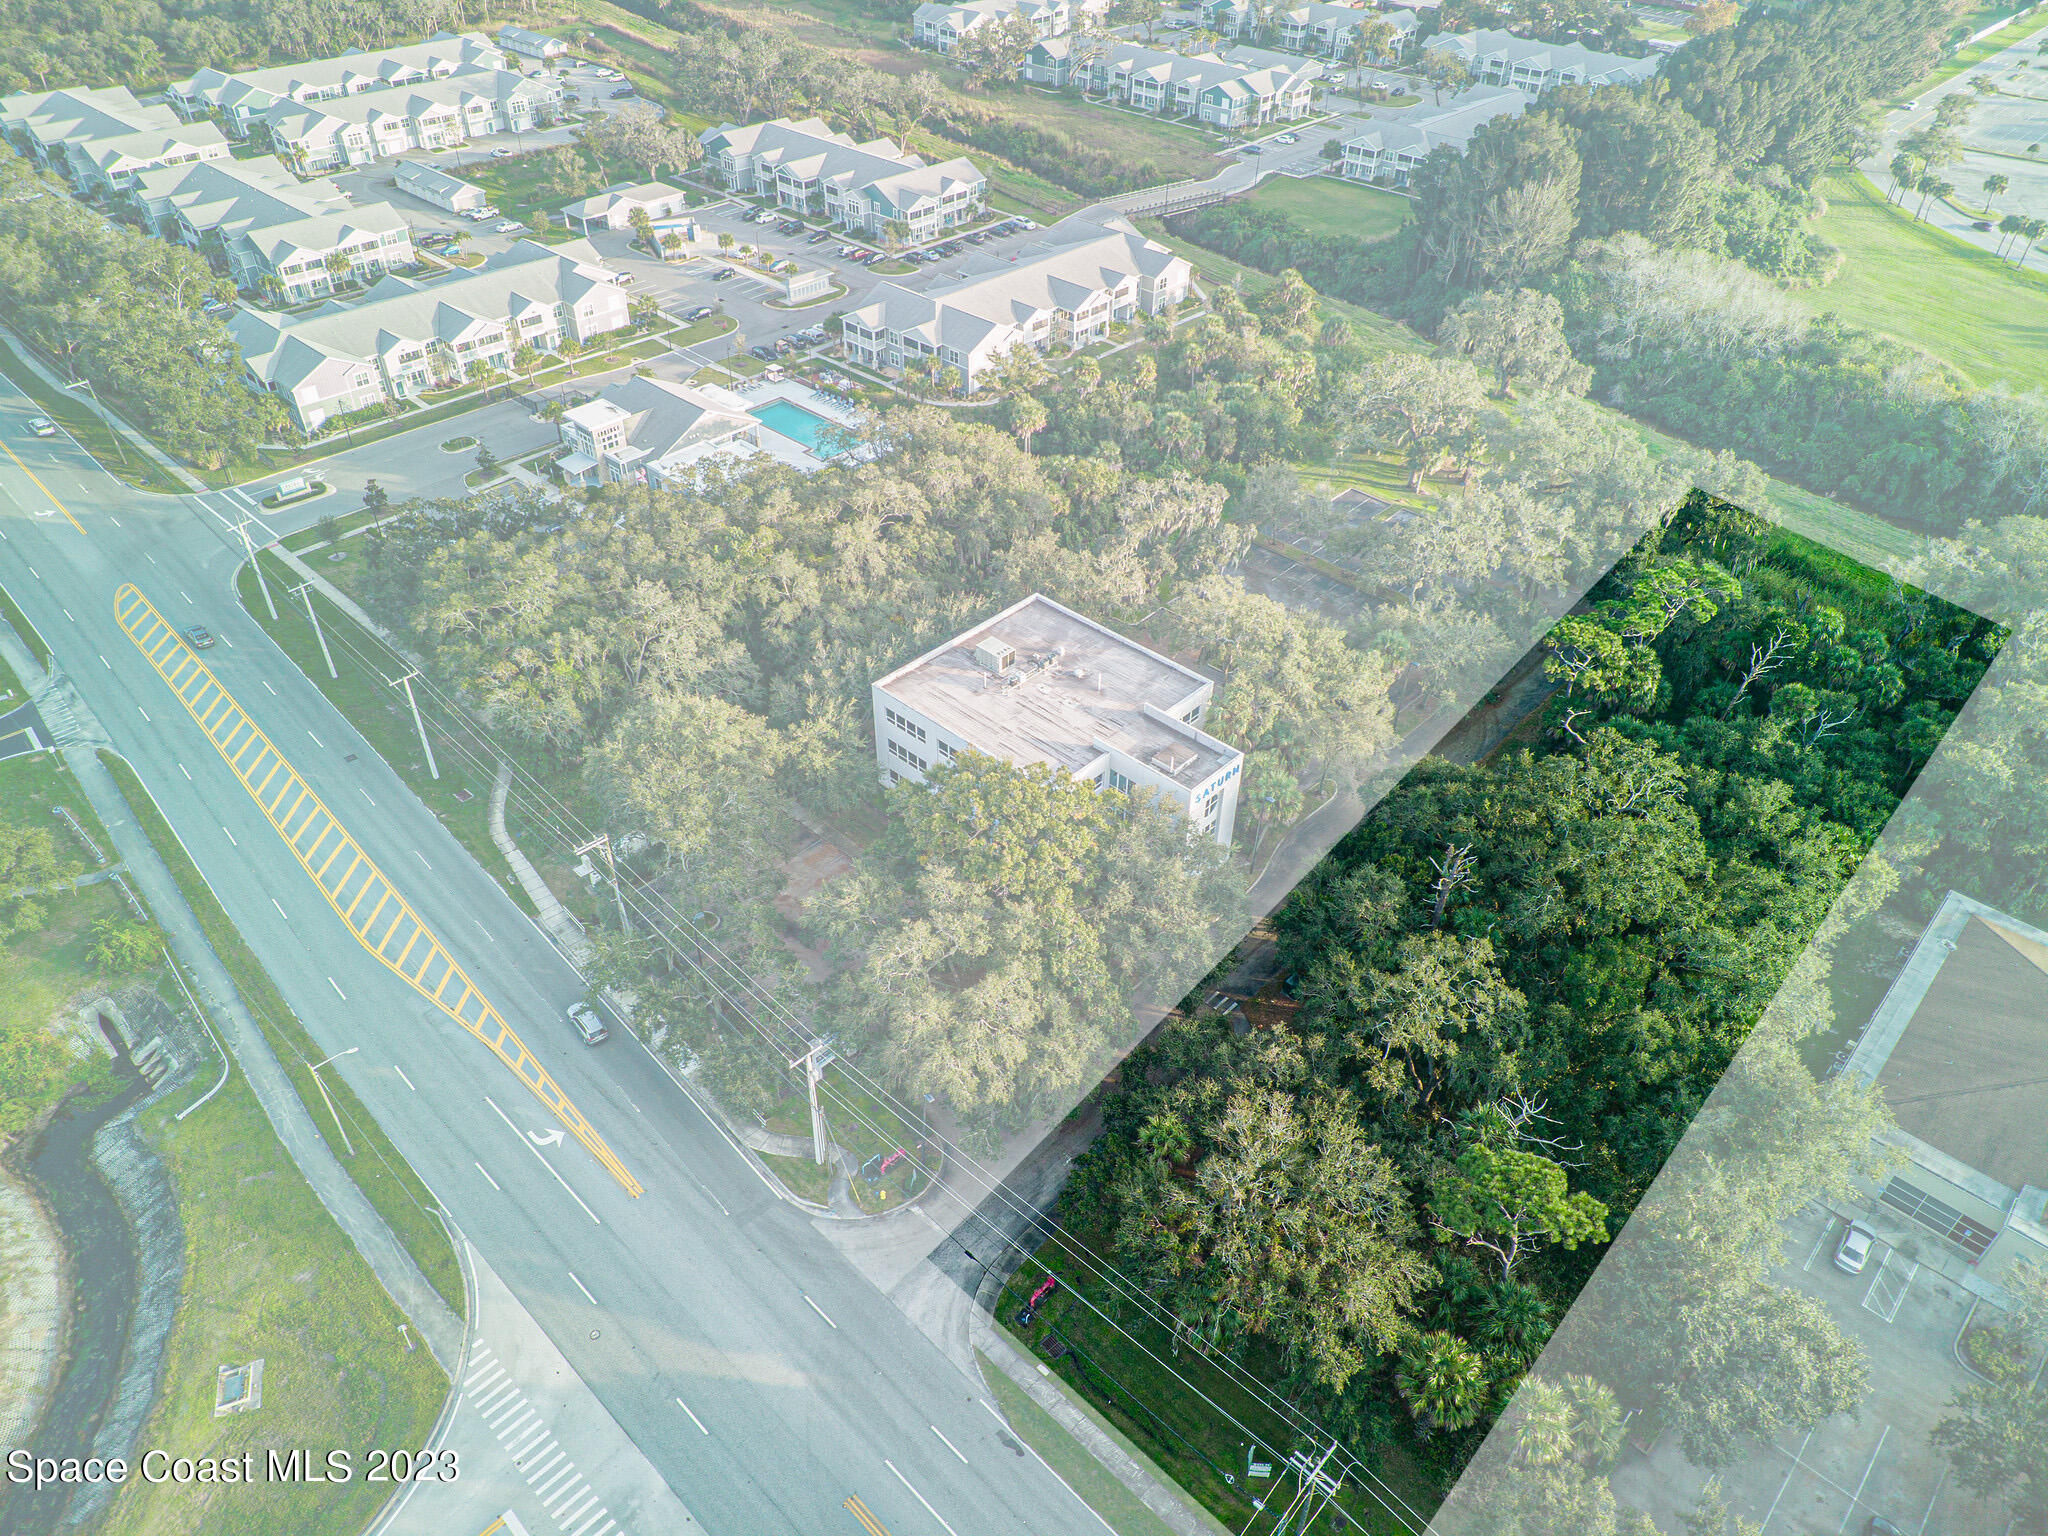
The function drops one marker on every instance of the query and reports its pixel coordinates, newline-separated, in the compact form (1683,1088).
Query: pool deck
(787,450)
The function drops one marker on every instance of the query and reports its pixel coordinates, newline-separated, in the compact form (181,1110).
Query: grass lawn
(1119,1371)
(1932,290)
(379,1171)
(1993,45)
(75,414)
(1327,205)
(269,1274)
(1118,1507)
(806,1179)
(10,613)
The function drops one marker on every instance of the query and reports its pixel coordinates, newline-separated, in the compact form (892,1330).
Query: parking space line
(1870,1466)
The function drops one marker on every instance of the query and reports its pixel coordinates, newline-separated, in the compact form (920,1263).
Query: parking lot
(1907,1315)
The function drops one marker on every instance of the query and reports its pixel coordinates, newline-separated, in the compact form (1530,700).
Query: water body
(104,1276)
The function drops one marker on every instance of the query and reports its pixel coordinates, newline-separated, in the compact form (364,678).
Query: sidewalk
(386,1256)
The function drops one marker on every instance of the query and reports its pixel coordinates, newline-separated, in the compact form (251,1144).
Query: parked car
(501,154)
(588,1025)
(42,426)
(1253,149)
(624,90)
(818,239)
(702,312)
(764,352)
(506,226)
(1853,1251)
(1981,224)
(1288,138)
(199,637)
(721,274)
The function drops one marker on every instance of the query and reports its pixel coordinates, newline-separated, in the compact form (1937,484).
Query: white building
(1064,289)
(1390,150)
(438,187)
(873,187)
(1501,58)
(531,45)
(647,431)
(614,207)
(263,222)
(940,26)
(404,337)
(239,97)
(1038,683)
(1316,28)
(1955,1051)
(1213,90)
(102,140)
(433,114)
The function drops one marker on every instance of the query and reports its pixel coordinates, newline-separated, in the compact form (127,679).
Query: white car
(1288,138)
(1853,1251)
(501,154)
(42,426)
(506,226)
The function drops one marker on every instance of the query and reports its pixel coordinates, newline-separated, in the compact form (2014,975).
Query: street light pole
(249,550)
(322,1086)
(427,746)
(106,415)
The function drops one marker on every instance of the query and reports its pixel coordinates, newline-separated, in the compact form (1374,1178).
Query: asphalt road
(707,1288)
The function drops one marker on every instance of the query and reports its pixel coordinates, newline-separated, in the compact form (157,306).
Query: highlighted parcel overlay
(383,921)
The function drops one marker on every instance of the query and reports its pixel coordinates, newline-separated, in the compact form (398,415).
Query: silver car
(588,1024)
(1853,1251)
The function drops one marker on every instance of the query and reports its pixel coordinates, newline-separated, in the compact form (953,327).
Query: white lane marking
(114,520)
(33,572)
(543,1159)
(554,1453)
(184,594)
(927,1503)
(230,837)
(693,1417)
(421,857)
(337,989)
(402,1077)
(555,1480)
(67,613)
(487,1178)
(576,1506)
(106,663)
(949,1445)
(494,1398)
(570,1492)
(713,1198)
(224,640)
(515,1426)
(590,1527)
(318,742)
(280,910)
(583,1288)
(1069,1486)
(819,1310)
(149,557)
(187,772)
(483,1375)
(516,1404)
(142,712)
(487,932)
(527,1439)
(364,793)
(266,683)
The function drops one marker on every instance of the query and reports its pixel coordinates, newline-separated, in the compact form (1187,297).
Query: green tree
(1442,1380)
(1510,1202)
(1519,337)
(119,946)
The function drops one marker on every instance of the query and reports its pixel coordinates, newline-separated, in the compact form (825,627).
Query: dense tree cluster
(704,657)
(122,310)
(45,44)
(1518,982)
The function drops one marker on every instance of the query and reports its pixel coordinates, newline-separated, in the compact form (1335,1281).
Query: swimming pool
(795,423)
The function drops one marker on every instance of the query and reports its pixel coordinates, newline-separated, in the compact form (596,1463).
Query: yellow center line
(135,614)
(74,522)
(861,1513)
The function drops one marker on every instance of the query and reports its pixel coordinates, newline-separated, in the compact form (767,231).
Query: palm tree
(2034,230)
(338,268)
(2012,224)
(1443,1381)
(1994,188)
(1905,173)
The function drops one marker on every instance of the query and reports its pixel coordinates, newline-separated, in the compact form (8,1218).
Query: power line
(743,995)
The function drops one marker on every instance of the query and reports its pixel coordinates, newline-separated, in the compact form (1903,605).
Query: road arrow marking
(549,1138)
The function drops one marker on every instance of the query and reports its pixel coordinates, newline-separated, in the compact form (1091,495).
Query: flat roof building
(1956,1048)
(1039,683)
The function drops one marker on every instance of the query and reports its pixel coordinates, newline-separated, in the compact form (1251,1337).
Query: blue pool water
(793,422)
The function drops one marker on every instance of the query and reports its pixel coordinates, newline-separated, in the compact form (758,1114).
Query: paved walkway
(345,1201)
(556,920)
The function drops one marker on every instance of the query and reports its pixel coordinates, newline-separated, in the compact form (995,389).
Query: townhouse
(1213,90)
(1321,30)
(404,337)
(434,186)
(1389,151)
(1064,289)
(875,188)
(102,140)
(648,431)
(531,45)
(1501,58)
(1039,683)
(432,114)
(238,98)
(940,26)
(309,238)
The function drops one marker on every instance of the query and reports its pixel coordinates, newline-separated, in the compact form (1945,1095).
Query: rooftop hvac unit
(993,655)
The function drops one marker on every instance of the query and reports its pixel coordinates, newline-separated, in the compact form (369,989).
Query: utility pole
(1317,1489)
(814,1061)
(603,844)
(315,1070)
(249,550)
(112,431)
(419,725)
(305,590)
